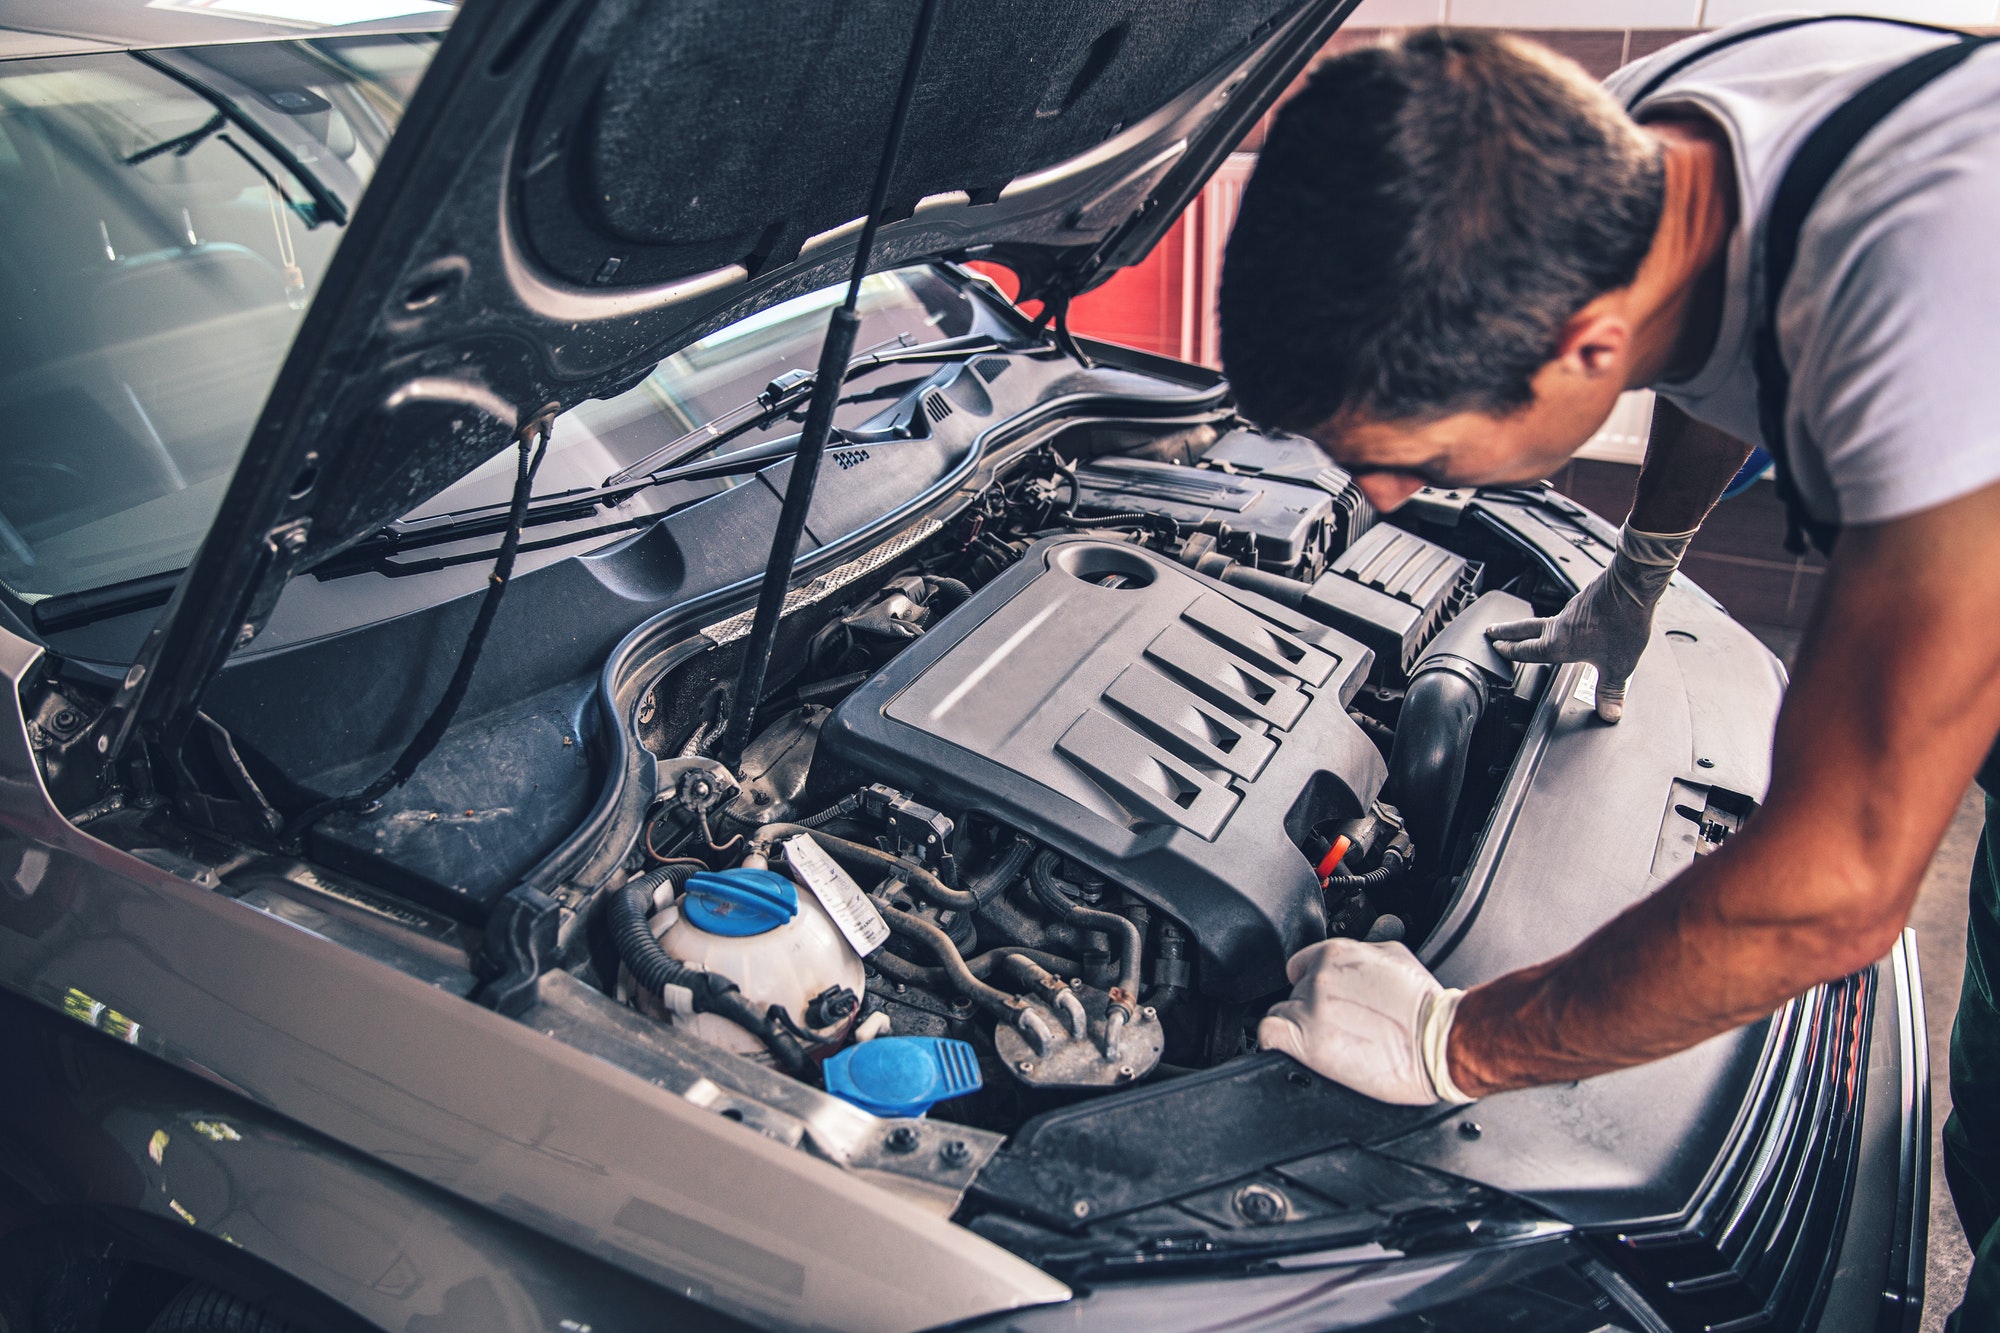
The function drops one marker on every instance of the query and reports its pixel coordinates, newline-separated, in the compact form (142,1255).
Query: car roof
(64,27)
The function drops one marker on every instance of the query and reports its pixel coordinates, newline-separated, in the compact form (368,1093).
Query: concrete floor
(1940,925)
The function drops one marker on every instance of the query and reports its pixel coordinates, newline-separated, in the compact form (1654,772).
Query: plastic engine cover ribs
(1177,735)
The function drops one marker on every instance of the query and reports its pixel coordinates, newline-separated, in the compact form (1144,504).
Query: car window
(155,262)
(723,371)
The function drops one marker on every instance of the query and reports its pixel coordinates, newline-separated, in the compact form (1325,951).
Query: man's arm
(1895,705)
(1609,623)
(1687,466)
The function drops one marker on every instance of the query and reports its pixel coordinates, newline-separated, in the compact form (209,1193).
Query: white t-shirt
(1890,322)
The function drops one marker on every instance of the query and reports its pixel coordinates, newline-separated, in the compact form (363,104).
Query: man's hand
(1370,1017)
(1609,622)
(1688,465)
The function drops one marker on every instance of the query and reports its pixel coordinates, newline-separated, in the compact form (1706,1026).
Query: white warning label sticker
(1585,692)
(838,894)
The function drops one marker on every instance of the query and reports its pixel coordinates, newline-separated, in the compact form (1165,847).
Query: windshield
(164,222)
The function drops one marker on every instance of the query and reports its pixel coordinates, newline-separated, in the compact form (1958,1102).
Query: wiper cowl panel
(786,393)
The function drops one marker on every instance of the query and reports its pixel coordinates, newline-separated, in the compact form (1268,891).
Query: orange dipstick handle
(1331,861)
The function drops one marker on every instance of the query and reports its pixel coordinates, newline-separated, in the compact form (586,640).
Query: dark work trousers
(1972,1134)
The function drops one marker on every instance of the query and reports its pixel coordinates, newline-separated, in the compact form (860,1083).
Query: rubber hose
(1284,591)
(1017,926)
(651,966)
(1373,727)
(1131,960)
(1003,872)
(901,969)
(840,849)
(990,998)
(676,873)
(955,592)
(1433,741)
(983,965)
(846,805)
(898,968)
(1367,879)
(654,971)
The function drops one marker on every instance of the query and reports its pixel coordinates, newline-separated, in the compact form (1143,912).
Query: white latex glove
(1609,622)
(1368,1016)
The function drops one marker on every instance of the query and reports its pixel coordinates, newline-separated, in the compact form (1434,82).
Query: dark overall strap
(1829,145)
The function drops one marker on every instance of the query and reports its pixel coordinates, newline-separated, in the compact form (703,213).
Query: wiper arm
(785,394)
(564,506)
(671,462)
(327,206)
(181,144)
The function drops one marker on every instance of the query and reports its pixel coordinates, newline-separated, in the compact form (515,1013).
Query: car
(411,919)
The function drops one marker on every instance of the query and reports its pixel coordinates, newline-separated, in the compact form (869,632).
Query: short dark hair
(1425,216)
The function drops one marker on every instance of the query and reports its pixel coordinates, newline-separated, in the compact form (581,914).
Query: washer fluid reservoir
(754,926)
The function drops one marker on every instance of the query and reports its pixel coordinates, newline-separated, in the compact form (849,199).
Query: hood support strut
(834,354)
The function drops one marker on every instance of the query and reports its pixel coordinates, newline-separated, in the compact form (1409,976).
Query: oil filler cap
(902,1076)
(739,902)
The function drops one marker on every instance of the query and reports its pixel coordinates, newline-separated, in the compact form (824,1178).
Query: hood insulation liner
(710,141)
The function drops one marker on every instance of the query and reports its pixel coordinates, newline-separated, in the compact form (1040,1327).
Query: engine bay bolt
(1704,763)
(1150,1012)
(1025,1066)
(1081,1208)
(901,1139)
(1125,1071)
(1469,1128)
(956,1152)
(1260,1205)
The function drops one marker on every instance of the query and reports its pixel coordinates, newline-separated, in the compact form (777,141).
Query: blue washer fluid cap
(739,902)
(903,1076)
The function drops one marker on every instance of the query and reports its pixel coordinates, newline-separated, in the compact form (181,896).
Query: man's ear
(1595,343)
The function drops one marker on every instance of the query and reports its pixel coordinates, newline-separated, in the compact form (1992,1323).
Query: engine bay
(1044,803)
(1047,781)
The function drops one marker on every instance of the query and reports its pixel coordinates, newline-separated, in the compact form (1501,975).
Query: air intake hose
(1446,699)
(1448,693)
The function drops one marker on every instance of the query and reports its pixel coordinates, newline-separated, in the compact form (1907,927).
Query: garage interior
(1167,305)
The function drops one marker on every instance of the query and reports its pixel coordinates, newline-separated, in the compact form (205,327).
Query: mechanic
(1455,253)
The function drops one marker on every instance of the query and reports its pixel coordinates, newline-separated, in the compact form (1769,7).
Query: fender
(108,1151)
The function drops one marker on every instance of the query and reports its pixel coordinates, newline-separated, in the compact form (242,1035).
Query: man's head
(1425,269)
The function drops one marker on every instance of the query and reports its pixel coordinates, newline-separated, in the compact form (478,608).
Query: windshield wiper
(786,394)
(327,206)
(670,463)
(181,144)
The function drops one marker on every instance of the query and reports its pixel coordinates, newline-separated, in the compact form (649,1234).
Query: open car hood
(580,187)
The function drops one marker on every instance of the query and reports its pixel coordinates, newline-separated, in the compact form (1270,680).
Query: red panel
(1165,303)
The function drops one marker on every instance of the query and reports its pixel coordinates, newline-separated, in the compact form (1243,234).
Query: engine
(1142,720)
(1047,806)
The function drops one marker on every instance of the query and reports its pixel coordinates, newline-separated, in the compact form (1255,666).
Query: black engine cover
(1177,735)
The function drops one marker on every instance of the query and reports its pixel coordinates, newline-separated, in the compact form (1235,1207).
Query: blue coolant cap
(739,902)
(903,1076)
